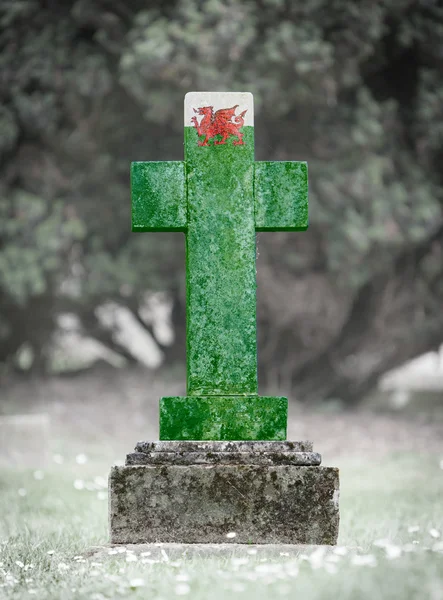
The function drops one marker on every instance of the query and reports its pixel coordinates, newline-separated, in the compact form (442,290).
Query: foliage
(355,89)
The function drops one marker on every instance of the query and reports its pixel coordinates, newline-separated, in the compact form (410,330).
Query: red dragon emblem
(224,122)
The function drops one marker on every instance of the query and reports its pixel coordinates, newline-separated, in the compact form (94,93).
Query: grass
(390,545)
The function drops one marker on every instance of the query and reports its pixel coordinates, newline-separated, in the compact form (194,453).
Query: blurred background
(350,313)
(89,309)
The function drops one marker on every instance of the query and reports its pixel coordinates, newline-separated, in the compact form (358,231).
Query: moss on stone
(262,504)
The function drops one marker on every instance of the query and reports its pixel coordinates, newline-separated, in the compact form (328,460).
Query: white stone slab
(219,100)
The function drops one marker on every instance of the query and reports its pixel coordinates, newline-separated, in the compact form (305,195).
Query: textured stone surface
(235,446)
(281,196)
(220,267)
(252,452)
(235,458)
(190,504)
(158,196)
(223,418)
(220,197)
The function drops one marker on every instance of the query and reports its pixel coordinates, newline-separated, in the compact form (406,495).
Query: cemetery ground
(53,515)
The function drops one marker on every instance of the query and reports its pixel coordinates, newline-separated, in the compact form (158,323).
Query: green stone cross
(219,197)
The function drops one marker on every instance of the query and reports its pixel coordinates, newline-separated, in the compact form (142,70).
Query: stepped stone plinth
(199,492)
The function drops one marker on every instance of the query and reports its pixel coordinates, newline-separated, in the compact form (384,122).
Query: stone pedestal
(204,492)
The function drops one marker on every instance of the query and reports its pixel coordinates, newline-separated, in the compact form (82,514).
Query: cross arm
(158,196)
(281,196)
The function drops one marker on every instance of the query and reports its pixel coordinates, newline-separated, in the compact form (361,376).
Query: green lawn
(391,532)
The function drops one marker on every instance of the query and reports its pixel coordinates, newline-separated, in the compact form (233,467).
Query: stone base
(260,491)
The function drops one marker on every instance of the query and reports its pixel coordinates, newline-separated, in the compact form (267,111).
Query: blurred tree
(354,88)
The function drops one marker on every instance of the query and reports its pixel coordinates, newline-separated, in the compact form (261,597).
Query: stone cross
(219,197)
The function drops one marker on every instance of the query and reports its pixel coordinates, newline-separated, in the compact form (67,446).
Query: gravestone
(222,469)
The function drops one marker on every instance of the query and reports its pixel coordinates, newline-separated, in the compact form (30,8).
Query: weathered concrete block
(213,458)
(252,446)
(202,503)
(237,452)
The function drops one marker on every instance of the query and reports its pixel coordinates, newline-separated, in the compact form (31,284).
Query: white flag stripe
(217,100)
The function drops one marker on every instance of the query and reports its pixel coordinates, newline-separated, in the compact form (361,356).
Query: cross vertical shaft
(220,267)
